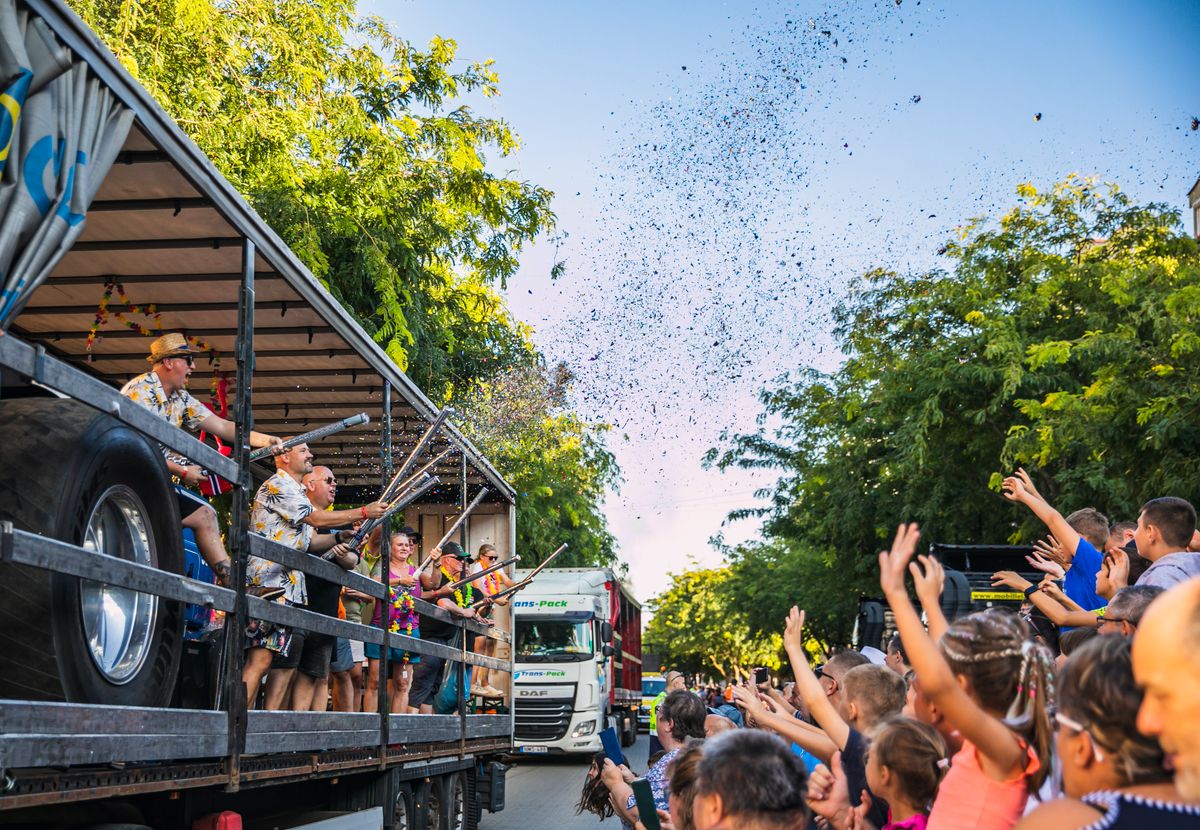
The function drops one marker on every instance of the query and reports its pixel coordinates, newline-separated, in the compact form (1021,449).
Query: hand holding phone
(761,676)
(612,745)
(647,810)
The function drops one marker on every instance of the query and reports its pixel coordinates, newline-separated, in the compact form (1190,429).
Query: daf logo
(534,693)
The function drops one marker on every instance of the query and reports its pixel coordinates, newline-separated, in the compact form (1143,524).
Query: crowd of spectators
(1078,709)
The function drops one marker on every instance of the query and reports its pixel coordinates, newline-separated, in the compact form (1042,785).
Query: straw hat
(169,345)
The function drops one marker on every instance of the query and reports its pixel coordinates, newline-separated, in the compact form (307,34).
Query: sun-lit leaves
(695,629)
(357,149)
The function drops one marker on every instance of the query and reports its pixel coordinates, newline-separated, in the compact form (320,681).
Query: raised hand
(894,563)
(793,631)
(1027,483)
(1046,566)
(1010,579)
(1014,489)
(856,817)
(1052,550)
(1118,574)
(748,701)
(928,577)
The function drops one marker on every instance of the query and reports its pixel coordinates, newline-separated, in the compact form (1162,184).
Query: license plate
(535,750)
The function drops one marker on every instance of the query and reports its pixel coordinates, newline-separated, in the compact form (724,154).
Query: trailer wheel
(402,814)
(454,801)
(83,477)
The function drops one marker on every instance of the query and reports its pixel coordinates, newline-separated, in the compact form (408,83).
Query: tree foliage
(1065,336)
(697,629)
(356,148)
(556,461)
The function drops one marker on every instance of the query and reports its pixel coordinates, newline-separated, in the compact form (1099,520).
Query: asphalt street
(542,792)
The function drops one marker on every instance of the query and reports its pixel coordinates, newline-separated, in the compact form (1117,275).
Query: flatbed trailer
(80,744)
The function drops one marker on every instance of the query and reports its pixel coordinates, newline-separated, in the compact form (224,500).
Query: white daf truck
(577,661)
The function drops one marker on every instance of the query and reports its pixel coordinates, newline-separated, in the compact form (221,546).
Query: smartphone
(647,809)
(761,676)
(612,745)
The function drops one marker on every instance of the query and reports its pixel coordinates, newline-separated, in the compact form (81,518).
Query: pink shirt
(969,800)
(914,822)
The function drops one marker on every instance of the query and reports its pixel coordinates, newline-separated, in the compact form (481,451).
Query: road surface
(541,794)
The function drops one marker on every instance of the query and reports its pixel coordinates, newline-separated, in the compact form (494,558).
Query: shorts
(273,636)
(396,656)
(189,501)
(310,653)
(343,657)
(356,650)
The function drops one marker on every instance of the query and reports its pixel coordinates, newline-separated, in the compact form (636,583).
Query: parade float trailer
(104,199)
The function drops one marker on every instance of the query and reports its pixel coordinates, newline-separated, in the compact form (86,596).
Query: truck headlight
(585,728)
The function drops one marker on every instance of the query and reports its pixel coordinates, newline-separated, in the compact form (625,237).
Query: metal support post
(463,693)
(233,688)
(385,572)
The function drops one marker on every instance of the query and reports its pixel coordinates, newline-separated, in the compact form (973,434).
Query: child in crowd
(905,764)
(870,693)
(993,684)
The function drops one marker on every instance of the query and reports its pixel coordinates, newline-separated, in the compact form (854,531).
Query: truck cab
(569,666)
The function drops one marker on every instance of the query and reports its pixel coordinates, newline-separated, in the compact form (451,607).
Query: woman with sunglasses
(489,585)
(1112,775)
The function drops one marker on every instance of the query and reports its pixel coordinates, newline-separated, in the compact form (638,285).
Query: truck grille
(542,720)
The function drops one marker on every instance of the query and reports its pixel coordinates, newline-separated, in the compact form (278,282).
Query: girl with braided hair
(992,683)
(1113,776)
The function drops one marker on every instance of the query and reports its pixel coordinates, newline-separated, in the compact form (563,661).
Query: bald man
(1166,664)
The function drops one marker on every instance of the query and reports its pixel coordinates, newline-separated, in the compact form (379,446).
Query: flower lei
(151,310)
(458,595)
(403,601)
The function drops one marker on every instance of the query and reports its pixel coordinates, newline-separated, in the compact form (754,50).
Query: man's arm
(322,519)
(227,432)
(1047,604)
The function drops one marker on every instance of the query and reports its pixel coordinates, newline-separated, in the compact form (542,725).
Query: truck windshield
(553,641)
(652,686)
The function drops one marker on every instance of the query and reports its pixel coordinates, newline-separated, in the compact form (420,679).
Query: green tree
(695,629)
(1063,337)
(356,148)
(557,462)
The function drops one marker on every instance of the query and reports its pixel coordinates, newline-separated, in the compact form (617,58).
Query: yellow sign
(985,595)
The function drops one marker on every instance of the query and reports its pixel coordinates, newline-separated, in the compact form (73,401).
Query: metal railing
(44,734)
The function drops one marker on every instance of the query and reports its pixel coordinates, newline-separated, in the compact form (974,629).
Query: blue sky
(725,171)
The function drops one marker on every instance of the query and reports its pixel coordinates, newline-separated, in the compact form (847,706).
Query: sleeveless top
(1123,810)
(969,800)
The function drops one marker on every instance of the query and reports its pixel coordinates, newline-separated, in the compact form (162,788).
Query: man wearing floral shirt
(163,390)
(283,514)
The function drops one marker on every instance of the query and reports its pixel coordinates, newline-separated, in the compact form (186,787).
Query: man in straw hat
(163,390)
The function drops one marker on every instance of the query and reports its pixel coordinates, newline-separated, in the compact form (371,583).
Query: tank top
(1124,811)
(969,800)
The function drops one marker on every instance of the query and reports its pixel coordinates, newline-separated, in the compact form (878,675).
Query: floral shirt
(660,785)
(280,508)
(179,409)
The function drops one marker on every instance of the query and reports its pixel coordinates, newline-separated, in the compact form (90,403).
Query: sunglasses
(191,360)
(330,480)
(489,558)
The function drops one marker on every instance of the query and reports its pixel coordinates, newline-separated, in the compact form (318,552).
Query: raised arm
(1046,603)
(814,696)
(1019,488)
(998,748)
(805,735)
(928,580)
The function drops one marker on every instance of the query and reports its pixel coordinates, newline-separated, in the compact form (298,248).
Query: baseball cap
(454,549)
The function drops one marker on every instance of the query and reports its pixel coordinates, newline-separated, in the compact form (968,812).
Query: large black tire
(60,458)
(404,811)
